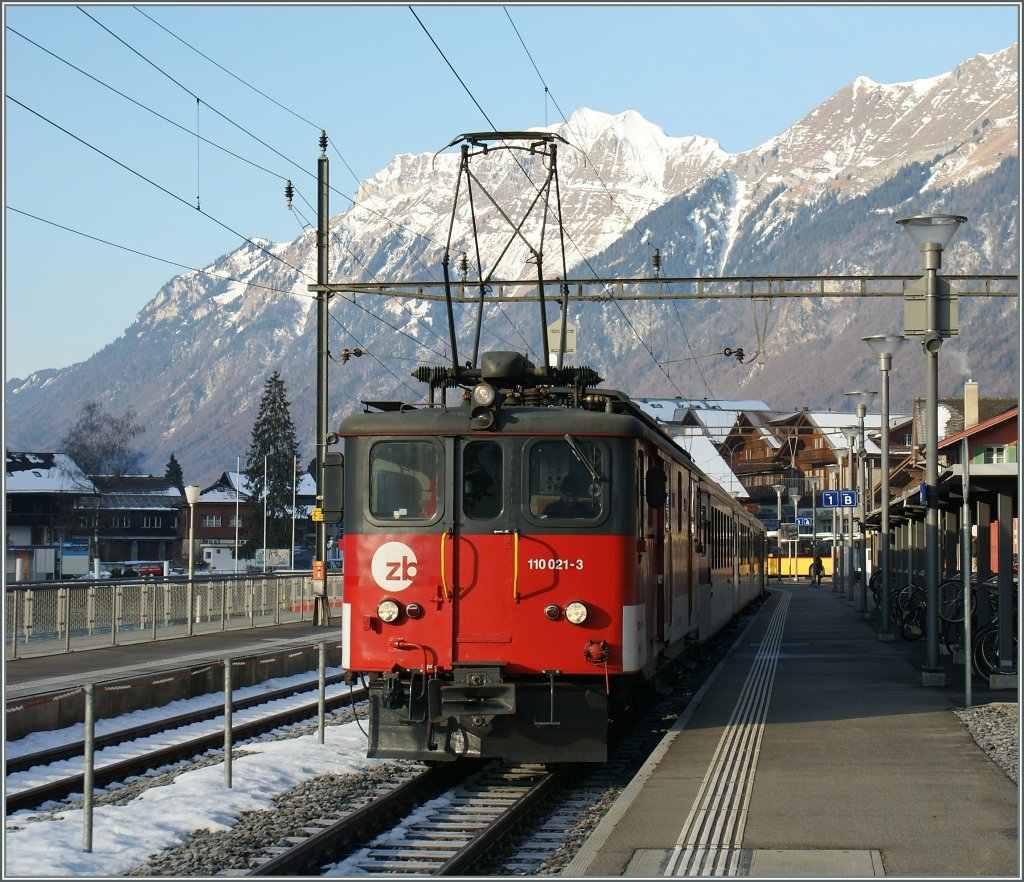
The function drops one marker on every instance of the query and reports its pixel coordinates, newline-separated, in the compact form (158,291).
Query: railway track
(437,833)
(77,748)
(500,821)
(341,814)
(112,772)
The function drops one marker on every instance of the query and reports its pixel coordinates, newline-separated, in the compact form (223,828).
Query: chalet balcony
(762,465)
(816,457)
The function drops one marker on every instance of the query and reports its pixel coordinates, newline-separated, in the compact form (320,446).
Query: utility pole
(321,610)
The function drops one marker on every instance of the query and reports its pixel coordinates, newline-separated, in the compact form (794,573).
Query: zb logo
(393,566)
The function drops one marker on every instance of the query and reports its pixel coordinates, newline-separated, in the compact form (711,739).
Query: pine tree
(174,474)
(272,451)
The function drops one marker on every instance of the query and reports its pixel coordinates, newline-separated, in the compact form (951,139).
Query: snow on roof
(232,484)
(708,459)
(673,410)
(831,424)
(45,473)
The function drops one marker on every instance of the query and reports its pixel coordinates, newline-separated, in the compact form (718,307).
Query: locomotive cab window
(482,485)
(404,480)
(564,487)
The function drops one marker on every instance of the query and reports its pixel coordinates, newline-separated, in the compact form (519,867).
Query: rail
(48,618)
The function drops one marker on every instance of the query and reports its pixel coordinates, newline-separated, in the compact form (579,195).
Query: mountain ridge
(820,197)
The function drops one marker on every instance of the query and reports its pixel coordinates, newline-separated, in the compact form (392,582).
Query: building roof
(1007,416)
(234,484)
(707,458)
(29,472)
(950,412)
(138,493)
(831,424)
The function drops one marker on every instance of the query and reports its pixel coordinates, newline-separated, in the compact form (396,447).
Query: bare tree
(99,442)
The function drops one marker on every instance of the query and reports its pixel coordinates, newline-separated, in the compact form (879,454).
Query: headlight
(553,612)
(576,612)
(414,610)
(388,610)
(483,395)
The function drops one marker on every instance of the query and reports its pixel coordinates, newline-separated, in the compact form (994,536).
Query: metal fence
(46,618)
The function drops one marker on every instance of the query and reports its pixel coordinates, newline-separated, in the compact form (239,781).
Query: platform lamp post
(812,482)
(192,497)
(794,549)
(778,488)
(885,346)
(861,401)
(850,432)
(834,469)
(932,233)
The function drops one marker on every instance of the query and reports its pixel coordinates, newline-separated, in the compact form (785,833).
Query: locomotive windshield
(561,486)
(404,479)
(483,489)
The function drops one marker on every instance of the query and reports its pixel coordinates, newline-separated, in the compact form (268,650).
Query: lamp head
(192,494)
(884,344)
(860,400)
(932,229)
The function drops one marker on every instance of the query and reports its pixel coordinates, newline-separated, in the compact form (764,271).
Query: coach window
(482,484)
(561,487)
(404,480)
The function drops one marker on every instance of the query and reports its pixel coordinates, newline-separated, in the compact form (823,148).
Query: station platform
(45,692)
(815,751)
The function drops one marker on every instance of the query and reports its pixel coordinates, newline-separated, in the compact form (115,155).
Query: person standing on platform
(817,569)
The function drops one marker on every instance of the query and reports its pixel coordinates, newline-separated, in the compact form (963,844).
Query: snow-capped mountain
(822,197)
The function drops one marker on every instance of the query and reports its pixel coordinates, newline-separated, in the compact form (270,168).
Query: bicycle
(915,616)
(951,598)
(985,644)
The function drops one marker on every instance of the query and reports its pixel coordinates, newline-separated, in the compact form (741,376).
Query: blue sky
(372,76)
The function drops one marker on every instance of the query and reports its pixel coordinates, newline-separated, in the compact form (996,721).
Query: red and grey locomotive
(518,566)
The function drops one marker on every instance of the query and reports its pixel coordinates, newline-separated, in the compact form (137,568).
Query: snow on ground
(50,844)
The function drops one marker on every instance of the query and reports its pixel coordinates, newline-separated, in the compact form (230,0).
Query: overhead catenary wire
(309,296)
(219,276)
(584,258)
(287,110)
(646,237)
(204,141)
(199,138)
(161,188)
(241,128)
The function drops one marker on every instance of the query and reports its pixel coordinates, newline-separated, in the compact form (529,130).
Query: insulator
(464,266)
(435,376)
(289,192)
(656,261)
(323,141)
(532,397)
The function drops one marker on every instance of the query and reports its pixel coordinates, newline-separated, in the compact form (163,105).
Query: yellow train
(795,557)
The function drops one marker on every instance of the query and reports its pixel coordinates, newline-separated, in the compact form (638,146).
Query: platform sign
(803,522)
(838,498)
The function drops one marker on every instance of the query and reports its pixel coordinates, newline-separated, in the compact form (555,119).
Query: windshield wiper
(575,448)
